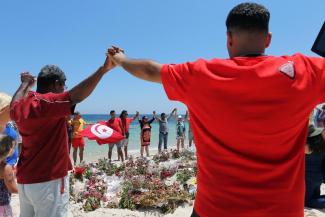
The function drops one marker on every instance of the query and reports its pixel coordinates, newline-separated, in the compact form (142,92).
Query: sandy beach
(74,211)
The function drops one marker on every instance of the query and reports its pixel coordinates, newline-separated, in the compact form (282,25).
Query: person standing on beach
(125,125)
(78,124)
(180,132)
(70,132)
(259,171)
(315,168)
(145,134)
(190,133)
(115,124)
(43,165)
(163,128)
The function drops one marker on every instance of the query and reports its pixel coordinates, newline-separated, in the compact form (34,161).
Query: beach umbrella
(102,133)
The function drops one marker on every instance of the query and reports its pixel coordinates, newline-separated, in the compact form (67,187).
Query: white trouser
(45,199)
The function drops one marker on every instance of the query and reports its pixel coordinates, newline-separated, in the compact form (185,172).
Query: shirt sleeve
(176,79)
(150,122)
(51,105)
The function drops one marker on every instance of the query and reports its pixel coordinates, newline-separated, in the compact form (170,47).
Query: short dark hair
(248,17)
(48,75)
(76,113)
(6,143)
(112,111)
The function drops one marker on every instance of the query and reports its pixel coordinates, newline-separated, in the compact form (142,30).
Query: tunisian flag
(102,133)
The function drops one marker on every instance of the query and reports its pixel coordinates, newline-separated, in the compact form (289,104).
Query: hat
(179,116)
(314,131)
(4,100)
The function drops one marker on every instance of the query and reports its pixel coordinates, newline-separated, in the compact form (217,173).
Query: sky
(75,34)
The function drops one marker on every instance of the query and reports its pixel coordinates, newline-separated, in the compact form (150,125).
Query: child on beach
(7,180)
(315,168)
(145,134)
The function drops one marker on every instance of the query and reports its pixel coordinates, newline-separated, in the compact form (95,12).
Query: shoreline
(91,157)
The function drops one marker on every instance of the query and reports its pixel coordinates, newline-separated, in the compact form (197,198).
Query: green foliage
(91,204)
(183,175)
(126,201)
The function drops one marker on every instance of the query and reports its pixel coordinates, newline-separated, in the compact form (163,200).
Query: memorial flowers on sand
(166,181)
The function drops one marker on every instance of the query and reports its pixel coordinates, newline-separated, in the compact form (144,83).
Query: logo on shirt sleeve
(288,69)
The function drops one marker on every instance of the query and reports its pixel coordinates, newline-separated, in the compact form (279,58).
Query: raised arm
(175,114)
(152,119)
(137,114)
(171,114)
(187,116)
(155,116)
(27,82)
(86,87)
(145,69)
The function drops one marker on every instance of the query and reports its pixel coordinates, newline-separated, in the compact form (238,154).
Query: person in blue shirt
(11,131)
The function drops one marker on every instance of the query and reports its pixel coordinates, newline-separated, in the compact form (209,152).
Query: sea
(93,149)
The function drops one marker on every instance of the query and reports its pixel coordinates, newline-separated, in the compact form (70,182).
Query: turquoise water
(92,148)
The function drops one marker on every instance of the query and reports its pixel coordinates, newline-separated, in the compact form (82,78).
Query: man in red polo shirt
(115,124)
(41,118)
(254,168)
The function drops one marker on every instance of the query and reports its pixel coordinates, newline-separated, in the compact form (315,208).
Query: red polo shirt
(41,120)
(115,124)
(249,117)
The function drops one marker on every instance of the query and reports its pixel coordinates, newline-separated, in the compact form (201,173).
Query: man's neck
(249,53)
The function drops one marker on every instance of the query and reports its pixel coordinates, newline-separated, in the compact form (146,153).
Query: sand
(74,211)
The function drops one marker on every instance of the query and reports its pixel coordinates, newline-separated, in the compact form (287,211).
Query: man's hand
(145,69)
(28,79)
(109,64)
(117,55)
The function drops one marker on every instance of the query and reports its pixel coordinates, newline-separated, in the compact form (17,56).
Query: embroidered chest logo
(288,69)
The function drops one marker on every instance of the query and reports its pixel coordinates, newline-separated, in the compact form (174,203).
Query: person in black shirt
(315,165)
(145,134)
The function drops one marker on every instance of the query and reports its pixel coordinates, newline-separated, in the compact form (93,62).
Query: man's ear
(229,39)
(57,86)
(268,39)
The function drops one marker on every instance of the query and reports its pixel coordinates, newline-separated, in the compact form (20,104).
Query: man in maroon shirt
(41,118)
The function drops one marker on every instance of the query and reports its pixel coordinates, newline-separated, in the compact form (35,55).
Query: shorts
(6,211)
(118,145)
(78,142)
(124,143)
(180,137)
